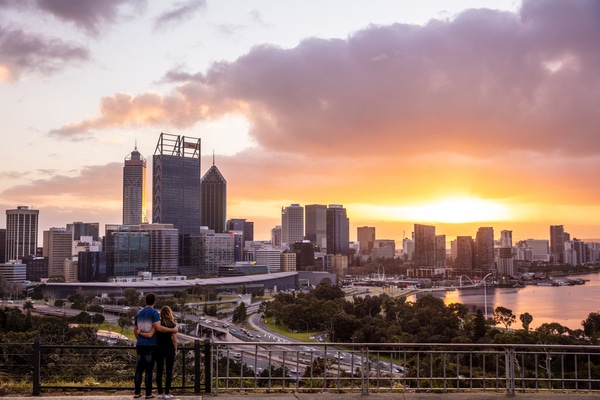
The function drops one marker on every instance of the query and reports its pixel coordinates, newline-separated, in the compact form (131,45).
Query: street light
(306,325)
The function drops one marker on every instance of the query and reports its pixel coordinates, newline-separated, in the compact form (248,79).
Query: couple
(156,341)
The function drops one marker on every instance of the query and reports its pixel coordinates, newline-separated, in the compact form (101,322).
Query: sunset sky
(439,112)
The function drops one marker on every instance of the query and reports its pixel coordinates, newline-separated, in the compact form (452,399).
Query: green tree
(504,316)
(526,319)
(131,297)
(479,326)
(239,313)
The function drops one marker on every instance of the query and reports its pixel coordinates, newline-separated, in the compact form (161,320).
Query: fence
(221,367)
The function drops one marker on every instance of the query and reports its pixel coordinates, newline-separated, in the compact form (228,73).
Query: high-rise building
(79,229)
(134,189)
(505,239)
(211,251)
(424,251)
(465,254)
(176,183)
(366,238)
(315,224)
(292,225)
(288,262)
(163,245)
(557,243)
(440,250)
(243,226)
(58,247)
(21,232)
(127,250)
(338,230)
(484,249)
(213,200)
(2,245)
(276,234)
(269,257)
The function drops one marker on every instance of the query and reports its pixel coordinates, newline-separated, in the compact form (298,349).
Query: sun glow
(464,209)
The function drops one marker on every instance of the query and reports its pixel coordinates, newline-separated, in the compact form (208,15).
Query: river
(567,305)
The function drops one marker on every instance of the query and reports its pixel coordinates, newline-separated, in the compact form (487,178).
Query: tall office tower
(243,226)
(2,245)
(276,236)
(134,189)
(424,251)
(92,266)
(465,254)
(58,247)
(315,224)
(292,225)
(211,251)
(163,245)
(366,238)
(21,232)
(484,249)
(128,251)
(506,266)
(79,229)
(176,183)
(557,243)
(305,255)
(440,250)
(505,239)
(213,200)
(338,230)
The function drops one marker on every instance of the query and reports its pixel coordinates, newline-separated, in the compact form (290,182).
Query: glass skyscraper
(134,189)
(338,230)
(176,183)
(213,204)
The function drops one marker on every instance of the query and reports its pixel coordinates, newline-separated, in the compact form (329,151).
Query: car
(11,302)
(126,308)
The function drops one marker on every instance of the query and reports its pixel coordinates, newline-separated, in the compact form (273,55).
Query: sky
(459,114)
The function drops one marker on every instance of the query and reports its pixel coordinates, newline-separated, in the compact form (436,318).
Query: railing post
(509,357)
(37,363)
(207,365)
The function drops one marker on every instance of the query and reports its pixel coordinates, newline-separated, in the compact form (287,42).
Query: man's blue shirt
(144,320)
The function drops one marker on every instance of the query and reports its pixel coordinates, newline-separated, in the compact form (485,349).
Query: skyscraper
(21,232)
(134,189)
(338,230)
(484,249)
(424,252)
(213,203)
(557,243)
(366,238)
(292,225)
(176,183)
(315,224)
(58,247)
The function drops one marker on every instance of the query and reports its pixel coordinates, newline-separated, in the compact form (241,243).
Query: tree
(131,297)
(479,326)
(239,314)
(504,316)
(526,319)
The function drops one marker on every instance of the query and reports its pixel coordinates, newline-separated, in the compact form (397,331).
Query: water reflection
(567,305)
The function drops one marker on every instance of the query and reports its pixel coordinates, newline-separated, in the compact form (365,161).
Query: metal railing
(221,367)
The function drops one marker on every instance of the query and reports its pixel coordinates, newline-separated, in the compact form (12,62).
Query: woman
(167,348)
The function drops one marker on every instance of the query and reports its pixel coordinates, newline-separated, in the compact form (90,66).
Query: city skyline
(457,117)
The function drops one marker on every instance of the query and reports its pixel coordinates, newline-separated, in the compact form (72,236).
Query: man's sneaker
(168,396)
(161,396)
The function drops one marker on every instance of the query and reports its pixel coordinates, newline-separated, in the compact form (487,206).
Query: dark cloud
(92,16)
(180,12)
(483,84)
(29,52)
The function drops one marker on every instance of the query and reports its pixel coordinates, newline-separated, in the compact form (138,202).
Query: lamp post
(485,294)
(306,325)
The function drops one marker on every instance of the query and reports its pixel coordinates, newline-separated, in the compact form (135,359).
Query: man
(146,320)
